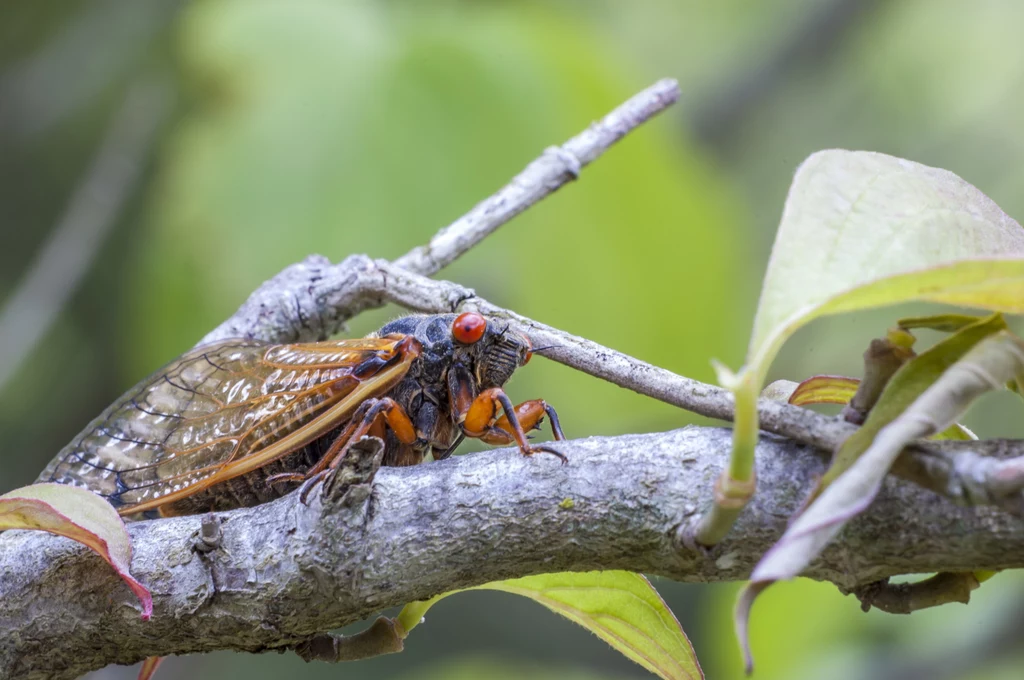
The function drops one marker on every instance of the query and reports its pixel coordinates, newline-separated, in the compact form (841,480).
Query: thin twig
(311,300)
(541,178)
(945,587)
(90,215)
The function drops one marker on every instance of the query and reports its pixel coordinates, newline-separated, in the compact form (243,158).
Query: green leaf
(862,230)
(620,607)
(80,515)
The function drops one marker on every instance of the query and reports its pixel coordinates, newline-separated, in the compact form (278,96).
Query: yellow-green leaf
(956,432)
(620,607)
(80,515)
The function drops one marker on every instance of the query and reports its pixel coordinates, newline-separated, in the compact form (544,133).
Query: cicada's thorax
(445,368)
(423,393)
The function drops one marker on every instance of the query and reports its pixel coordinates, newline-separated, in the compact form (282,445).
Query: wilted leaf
(991,361)
(620,607)
(80,515)
(909,382)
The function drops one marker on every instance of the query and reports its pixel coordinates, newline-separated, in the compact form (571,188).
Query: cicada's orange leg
(530,415)
(339,441)
(370,418)
(380,412)
(479,419)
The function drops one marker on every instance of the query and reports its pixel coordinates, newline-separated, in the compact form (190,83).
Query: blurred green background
(265,131)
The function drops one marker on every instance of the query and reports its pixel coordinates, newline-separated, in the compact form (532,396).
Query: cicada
(242,422)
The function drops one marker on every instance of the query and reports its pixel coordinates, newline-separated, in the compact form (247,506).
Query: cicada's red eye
(469,327)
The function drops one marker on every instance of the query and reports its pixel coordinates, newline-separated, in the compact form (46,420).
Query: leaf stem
(736,484)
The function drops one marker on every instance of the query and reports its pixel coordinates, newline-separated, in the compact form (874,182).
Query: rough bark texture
(287,571)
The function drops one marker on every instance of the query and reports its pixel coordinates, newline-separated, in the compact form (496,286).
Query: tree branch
(286,572)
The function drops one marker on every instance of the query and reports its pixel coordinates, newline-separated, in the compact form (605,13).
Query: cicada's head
(495,350)
(488,348)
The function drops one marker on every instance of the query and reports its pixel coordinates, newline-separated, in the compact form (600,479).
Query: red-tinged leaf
(149,667)
(80,515)
(824,389)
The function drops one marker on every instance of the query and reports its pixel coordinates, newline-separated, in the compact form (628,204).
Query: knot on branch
(384,636)
(906,598)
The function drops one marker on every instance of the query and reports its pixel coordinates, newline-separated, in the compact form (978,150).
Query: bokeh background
(159,159)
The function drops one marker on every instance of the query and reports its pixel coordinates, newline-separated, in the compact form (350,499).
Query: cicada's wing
(220,411)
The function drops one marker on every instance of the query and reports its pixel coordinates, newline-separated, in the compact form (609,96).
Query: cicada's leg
(383,411)
(531,415)
(479,419)
(370,418)
(343,437)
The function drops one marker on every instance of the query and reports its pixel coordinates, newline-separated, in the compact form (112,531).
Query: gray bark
(286,571)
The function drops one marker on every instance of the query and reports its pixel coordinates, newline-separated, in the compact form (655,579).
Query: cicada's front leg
(478,417)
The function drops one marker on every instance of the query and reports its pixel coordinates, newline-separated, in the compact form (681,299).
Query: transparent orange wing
(220,411)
